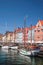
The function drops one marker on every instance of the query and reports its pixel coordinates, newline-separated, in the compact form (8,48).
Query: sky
(13,12)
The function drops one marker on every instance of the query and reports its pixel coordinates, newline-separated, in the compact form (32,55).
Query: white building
(19,37)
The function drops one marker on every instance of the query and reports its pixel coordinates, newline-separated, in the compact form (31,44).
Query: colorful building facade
(39,32)
(32,34)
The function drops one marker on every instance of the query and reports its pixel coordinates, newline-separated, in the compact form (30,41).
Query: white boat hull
(5,47)
(14,47)
(29,53)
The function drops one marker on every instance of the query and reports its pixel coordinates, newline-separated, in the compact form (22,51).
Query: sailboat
(14,46)
(32,50)
(5,44)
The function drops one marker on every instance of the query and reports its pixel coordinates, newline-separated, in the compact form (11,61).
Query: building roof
(41,21)
(22,29)
(1,35)
(8,32)
(33,27)
(18,30)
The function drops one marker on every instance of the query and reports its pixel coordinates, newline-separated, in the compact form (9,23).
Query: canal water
(10,57)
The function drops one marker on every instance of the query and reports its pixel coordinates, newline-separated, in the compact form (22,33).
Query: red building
(30,34)
(39,32)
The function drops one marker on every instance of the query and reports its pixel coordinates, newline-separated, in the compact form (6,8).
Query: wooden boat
(31,51)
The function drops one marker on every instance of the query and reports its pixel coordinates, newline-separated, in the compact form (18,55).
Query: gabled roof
(18,30)
(41,21)
(8,32)
(22,29)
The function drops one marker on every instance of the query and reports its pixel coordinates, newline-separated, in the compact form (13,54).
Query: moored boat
(41,51)
(32,51)
(9,47)
(29,50)
(5,47)
(14,47)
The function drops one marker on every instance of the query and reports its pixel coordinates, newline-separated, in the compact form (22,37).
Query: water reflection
(10,57)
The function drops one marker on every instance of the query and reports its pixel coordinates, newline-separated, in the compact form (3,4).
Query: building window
(38,37)
(38,25)
(35,30)
(27,31)
(42,30)
(38,30)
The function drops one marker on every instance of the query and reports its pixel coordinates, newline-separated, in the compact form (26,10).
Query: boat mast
(14,33)
(14,37)
(6,31)
(24,31)
(31,34)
